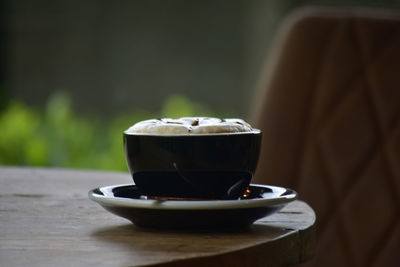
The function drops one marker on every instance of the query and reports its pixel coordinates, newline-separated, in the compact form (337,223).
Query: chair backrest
(329,110)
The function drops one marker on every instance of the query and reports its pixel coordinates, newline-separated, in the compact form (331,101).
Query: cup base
(192,184)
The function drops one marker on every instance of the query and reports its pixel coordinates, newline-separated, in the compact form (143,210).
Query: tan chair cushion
(330,113)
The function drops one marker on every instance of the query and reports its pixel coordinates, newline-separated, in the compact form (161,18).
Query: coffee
(190,125)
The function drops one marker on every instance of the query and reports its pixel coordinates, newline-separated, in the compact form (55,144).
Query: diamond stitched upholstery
(330,113)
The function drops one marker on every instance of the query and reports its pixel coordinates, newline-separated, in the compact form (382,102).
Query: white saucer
(257,202)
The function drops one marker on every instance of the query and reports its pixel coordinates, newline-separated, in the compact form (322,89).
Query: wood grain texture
(46,219)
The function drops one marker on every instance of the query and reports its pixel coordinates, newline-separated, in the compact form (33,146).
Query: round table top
(46,219)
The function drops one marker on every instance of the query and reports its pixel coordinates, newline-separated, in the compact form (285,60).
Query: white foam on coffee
(190,125)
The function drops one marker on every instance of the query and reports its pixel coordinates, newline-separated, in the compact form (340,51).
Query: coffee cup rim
(253,131)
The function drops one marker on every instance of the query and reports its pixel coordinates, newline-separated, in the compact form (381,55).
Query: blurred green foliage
(57,136)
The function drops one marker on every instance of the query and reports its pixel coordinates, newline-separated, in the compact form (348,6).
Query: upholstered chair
(329,109)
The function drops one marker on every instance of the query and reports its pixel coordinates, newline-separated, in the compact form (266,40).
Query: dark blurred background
(74,74)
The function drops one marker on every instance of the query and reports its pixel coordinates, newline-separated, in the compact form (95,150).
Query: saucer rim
(192,204)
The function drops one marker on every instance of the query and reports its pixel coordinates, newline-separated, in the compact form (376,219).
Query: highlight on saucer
(190,125)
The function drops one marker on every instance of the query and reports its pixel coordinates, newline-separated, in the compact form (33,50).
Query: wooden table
(46,219)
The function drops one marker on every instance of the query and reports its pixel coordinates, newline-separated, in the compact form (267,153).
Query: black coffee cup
(211,166)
